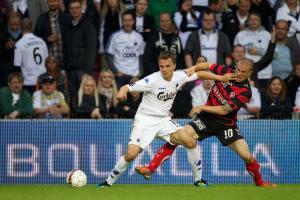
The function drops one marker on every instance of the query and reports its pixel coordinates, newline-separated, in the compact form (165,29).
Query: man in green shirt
(15,102)
(158,6)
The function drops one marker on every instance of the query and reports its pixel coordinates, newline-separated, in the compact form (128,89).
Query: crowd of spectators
(68,58)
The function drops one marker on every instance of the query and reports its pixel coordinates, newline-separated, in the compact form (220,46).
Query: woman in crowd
(275,103)
(108,88)
(110,20)
(186,20)
(88,103)
(53,70)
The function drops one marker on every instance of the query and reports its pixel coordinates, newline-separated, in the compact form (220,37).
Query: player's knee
(130,156)
(248,158)
(191,143)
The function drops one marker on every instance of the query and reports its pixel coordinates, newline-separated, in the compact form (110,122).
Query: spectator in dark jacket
(79,47)
(165,39)
(208,42)
(128,108)
(8,38)
(144,23)
(275,102)
(293,83)
(87,103)
(50,26)
(15,102)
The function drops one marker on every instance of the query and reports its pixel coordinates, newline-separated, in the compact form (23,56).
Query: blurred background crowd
(68,58)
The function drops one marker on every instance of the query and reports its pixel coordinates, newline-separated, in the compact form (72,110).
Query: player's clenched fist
(122,95)
(195,110)
(228,77)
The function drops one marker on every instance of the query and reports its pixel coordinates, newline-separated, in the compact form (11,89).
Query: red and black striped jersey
(236,95)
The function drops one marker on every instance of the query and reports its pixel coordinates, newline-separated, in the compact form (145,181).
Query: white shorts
(146,128)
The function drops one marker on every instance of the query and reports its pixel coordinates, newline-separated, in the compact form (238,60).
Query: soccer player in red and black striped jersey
(217,118)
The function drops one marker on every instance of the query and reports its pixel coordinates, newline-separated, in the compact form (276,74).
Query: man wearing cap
(48,102)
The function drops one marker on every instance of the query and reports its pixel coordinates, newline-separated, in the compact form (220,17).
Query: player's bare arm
(122,95)
(219,110)
(198,67)
(211,76)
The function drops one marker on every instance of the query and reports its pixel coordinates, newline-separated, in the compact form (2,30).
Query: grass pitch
(148,192)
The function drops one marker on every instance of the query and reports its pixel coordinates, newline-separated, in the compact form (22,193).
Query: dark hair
(239,46)
(210,2)
(17,75)
(283,92)
(208,12)
(255,13)
(74,1)
(166,55)
(128,12)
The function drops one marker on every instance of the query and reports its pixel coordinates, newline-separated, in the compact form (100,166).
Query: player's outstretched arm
(211,76)
(198,67)
(219,110)
(122,95)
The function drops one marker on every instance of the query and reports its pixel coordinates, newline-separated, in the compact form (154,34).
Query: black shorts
(206,128)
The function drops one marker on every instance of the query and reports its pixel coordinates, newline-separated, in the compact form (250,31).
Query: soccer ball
(76,178)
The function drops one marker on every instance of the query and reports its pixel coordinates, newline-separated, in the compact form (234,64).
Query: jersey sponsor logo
(166,96)
(232,95)
(200,125)
(146,80)
(219,96)
(129,55)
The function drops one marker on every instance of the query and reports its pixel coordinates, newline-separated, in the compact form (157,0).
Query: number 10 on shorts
(228,133)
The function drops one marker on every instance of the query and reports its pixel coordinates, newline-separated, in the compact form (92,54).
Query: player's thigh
(185,136)
(143,132)
(241,148)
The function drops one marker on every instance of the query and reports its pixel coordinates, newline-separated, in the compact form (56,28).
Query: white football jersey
(126,49)
(159,94)
(30,54)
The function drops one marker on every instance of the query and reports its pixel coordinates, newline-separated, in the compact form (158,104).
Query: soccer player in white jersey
(152,118)
(30,55)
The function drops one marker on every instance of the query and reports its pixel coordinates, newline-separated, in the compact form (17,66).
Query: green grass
(148,192)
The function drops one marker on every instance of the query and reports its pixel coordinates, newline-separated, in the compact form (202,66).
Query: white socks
(117,171)
(193,156)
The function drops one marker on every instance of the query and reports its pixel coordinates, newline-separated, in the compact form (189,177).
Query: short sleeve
(220,69)
(144,85)
(36,99)
(238,101)
(18,56)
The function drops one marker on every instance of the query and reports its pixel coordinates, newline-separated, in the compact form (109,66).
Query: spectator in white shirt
(255,39)
(125,50)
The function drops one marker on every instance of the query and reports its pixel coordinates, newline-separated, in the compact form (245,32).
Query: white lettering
(13,161)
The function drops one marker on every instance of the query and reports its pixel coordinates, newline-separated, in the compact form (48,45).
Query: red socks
(161,155)
(254,170)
